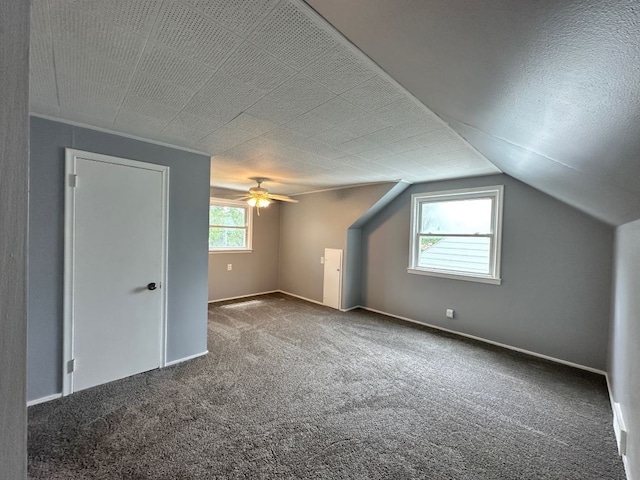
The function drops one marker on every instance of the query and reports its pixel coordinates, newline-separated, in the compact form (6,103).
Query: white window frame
(248,226)
(496,194)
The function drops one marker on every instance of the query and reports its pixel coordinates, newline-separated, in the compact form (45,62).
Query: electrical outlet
(229,267)
(449,312)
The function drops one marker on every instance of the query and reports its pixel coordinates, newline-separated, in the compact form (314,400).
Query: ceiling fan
(260,197)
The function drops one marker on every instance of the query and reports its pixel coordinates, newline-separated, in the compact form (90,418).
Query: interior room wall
(624,356)
(351,289)
(188,249)
(251,273)
(320,220)
(352,285)
(556,272)
(14,179)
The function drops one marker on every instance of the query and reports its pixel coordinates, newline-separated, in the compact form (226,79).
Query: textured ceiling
(548,91)
(268,88)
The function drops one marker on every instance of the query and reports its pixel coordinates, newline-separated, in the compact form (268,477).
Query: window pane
(227,237)
(228,216)
(456,216)
(455,254)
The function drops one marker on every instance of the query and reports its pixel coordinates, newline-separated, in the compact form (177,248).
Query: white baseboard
(55,396)
(315,301)
(606,377)
(48,398)
(627,467)
(190,357)
(614,409)
(243,296)
(503,345)
(285,293)
(302,298)
(350,308)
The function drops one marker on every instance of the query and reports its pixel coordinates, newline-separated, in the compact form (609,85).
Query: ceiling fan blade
(283,198)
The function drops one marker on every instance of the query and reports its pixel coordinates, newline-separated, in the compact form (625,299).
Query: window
(456,234)
(229,226)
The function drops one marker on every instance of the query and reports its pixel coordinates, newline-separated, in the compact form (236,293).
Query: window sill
(456,276)
(214,252)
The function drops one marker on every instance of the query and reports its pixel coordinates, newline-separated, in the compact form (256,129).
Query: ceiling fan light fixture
(259,202)
(259,197)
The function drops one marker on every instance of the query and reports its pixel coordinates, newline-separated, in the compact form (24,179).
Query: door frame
(70,182)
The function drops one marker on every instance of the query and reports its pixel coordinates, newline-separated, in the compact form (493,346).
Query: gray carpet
(296,390)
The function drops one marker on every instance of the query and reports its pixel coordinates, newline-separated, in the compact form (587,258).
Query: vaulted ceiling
(545,91)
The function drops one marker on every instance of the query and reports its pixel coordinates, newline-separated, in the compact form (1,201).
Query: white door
(115,264)
(332,277)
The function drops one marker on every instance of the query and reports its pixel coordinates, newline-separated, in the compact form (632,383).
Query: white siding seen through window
(456,234)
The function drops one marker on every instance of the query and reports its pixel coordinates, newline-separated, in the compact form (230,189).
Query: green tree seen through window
(227,227)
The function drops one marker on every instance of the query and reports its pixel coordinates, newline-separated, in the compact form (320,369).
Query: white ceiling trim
(116,132)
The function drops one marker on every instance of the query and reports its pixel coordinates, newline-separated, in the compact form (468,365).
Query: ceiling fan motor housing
(258,191)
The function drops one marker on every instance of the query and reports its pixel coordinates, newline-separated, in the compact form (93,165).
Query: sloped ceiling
(548,91)
(267,87)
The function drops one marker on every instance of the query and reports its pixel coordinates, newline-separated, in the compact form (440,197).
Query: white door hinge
(71,366)
(73,181)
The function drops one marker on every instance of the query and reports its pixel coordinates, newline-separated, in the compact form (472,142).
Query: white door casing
(116,224)
(332,285)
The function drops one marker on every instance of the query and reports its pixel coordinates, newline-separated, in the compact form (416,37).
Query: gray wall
(352,286)
(14,177)
(254,272)
(187,269)
(556,273)
(624,360)
(319,221)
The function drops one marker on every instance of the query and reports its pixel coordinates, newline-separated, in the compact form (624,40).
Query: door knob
(152,286)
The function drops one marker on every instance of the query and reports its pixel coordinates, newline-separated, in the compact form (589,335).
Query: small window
(456,234)
(229,226)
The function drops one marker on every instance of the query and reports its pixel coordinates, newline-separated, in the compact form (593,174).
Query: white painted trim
(48,398)
(218,252)
(244,296)
(627,467)
(345,310)
(352,185)
(302,298)
(165,267)
(284,293)
(606,377)
(453,276)
(625,458)
(248,224)
(496,193)
(69,247)
(503,345)
(185,359)
(120,134)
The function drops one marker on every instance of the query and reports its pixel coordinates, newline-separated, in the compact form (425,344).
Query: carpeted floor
(296,390)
